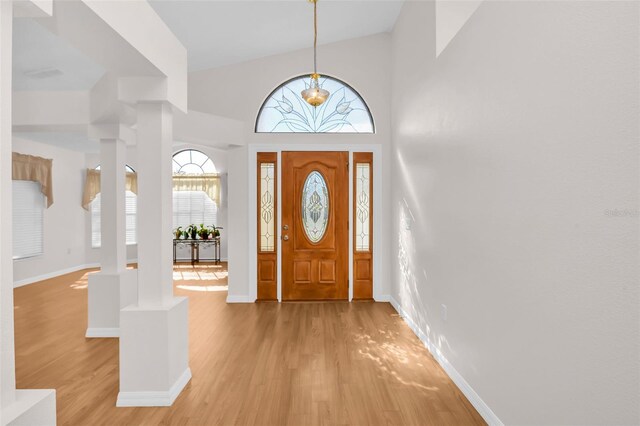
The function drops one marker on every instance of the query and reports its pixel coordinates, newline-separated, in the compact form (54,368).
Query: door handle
(285,227)
(285,237)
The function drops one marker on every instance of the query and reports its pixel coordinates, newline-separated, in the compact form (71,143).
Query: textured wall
(515,203)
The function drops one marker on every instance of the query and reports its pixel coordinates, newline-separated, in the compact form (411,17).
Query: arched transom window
(192,162)
(284,111)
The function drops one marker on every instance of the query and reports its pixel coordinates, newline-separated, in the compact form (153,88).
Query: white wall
(63,239)
(510,151)
(237,92)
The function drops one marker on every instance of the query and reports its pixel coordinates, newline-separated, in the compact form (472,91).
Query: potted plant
(204,232)
(178,233)
(215,231)
(192,232)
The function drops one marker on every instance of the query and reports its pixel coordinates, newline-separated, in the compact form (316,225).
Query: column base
(154,399)
(31,407)
(154,354)
(108,293)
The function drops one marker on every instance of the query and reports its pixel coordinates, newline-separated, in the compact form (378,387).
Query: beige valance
(92,186)
(209,183)
(35,169)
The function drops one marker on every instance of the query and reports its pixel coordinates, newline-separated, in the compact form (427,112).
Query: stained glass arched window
(284,110)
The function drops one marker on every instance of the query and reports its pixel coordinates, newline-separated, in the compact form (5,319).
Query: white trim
(483,409)
(54,274)
(378,249)
(154,398)
(253,150)
(278,240)
(101,332)
(240,299)
(350,175)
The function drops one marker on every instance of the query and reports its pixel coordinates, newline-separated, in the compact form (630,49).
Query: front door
(315,215)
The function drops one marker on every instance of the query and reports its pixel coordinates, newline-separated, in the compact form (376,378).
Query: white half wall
(516,204)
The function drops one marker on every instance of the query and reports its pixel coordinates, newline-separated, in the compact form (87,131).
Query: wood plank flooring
(263,363)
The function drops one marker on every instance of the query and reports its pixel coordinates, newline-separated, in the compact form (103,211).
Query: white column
(17,407)
(154,339)
(155,206)
(114,287)
(113,253)
(7,361)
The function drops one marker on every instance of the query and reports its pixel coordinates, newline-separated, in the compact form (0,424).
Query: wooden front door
(315,215)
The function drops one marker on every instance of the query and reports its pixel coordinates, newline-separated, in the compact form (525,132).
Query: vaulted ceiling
(215,33)
(218,33)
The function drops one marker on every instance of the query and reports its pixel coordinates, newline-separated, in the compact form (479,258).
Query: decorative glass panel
(315,206)
(362,206)
(343,112)
(267,205)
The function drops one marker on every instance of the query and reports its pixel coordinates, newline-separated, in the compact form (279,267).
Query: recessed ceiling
(44,61)
(218,33)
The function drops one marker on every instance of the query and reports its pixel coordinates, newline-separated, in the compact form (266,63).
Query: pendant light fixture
(315,95)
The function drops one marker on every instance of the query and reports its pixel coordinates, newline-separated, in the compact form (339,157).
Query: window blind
(131,212)
(28,214)
(193,207)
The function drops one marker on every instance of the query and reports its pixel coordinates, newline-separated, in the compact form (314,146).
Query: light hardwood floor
(264,363)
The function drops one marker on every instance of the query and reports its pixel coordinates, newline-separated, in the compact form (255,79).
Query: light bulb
(315,95)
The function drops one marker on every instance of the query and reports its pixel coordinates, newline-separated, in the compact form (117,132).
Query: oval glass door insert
(315,206)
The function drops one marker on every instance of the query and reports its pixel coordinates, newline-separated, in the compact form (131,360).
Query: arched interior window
(193,206)
(192,162)
(131,212)
(284,110)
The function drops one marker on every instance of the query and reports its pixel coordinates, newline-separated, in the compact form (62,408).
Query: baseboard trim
(157,398)
(483,409)
(54,274)
(239,299)
(99,332)
(383,298)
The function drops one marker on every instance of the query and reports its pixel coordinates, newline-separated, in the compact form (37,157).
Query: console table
(195,248)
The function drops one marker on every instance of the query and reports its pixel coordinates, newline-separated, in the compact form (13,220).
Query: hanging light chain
(315,36)
(314,94)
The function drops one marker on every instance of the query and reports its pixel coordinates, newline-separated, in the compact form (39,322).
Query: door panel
(315,214)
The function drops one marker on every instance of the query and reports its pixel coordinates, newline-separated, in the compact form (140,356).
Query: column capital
(138,90)
(112,131)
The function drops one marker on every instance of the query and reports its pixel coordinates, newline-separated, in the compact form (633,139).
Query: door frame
(253,150)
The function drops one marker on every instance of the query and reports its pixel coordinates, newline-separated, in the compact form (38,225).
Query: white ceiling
(217,32)
(72,141)
(37,49)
